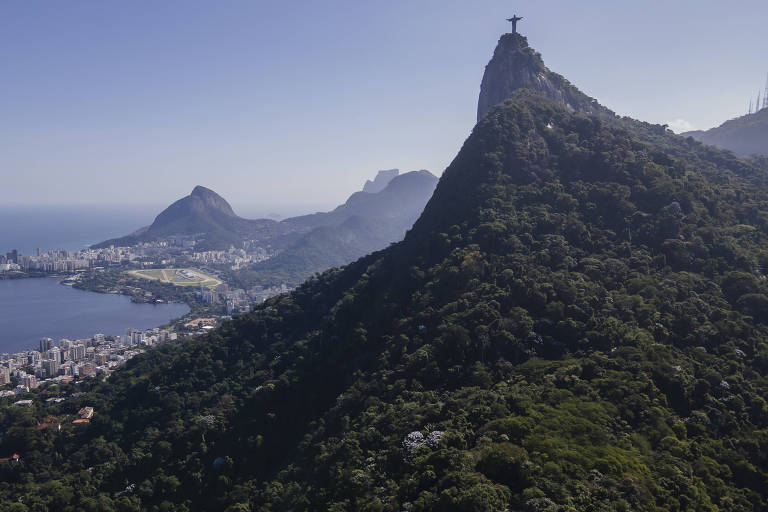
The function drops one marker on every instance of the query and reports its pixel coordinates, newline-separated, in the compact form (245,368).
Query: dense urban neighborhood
(142,272)
(71,360)
(169,251)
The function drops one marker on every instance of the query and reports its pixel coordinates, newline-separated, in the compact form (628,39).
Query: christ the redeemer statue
(514,19)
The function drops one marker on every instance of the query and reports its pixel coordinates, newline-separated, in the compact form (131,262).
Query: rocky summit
(381,180)
(515,66)
(201,210)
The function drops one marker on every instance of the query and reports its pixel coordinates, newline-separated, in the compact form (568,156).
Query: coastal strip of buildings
(68,360)
(161,252)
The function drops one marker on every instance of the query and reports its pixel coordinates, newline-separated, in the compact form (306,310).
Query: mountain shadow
(365,223)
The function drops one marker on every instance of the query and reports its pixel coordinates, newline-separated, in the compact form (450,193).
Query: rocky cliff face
(381,180)
(514,66)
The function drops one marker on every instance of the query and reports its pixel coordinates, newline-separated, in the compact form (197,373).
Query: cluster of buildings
(171,251)
(67,360)
(235,258)
(259,295)
(239,300)
(235,300)
(84,415)
(63,261)
(8,261)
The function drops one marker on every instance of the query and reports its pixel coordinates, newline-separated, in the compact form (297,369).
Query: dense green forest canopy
(578,321)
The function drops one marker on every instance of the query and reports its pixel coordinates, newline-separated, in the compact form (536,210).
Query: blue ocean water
(27,228)
(35,308)
(31,309)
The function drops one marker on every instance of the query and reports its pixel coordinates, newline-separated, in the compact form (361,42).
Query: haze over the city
(285,105)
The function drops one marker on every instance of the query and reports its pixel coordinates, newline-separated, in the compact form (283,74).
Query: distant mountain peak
(202,191)
(386,214)
(202,212)
(515,66)
(209,200)
(381,180)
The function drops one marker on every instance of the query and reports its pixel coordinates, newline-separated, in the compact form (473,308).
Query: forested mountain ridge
(366,222)
(576,322)
(745,135)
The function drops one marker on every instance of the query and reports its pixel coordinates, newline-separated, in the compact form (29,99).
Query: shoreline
(16,275)
(166,325)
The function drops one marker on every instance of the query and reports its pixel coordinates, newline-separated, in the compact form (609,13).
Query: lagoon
(35,308)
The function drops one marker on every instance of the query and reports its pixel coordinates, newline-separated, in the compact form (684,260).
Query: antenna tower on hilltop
(762,101)
(765,95)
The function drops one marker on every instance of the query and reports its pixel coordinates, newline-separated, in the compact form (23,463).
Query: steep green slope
(576,322)
(321,248)
(745,135)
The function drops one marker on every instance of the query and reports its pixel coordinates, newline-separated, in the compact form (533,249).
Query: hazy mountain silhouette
(745,135)
(366,222)
(381,180)
(205,213)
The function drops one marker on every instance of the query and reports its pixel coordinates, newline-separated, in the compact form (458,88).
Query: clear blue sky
(275,103)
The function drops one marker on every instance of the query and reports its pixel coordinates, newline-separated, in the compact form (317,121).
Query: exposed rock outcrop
(515,66)
(381,180)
